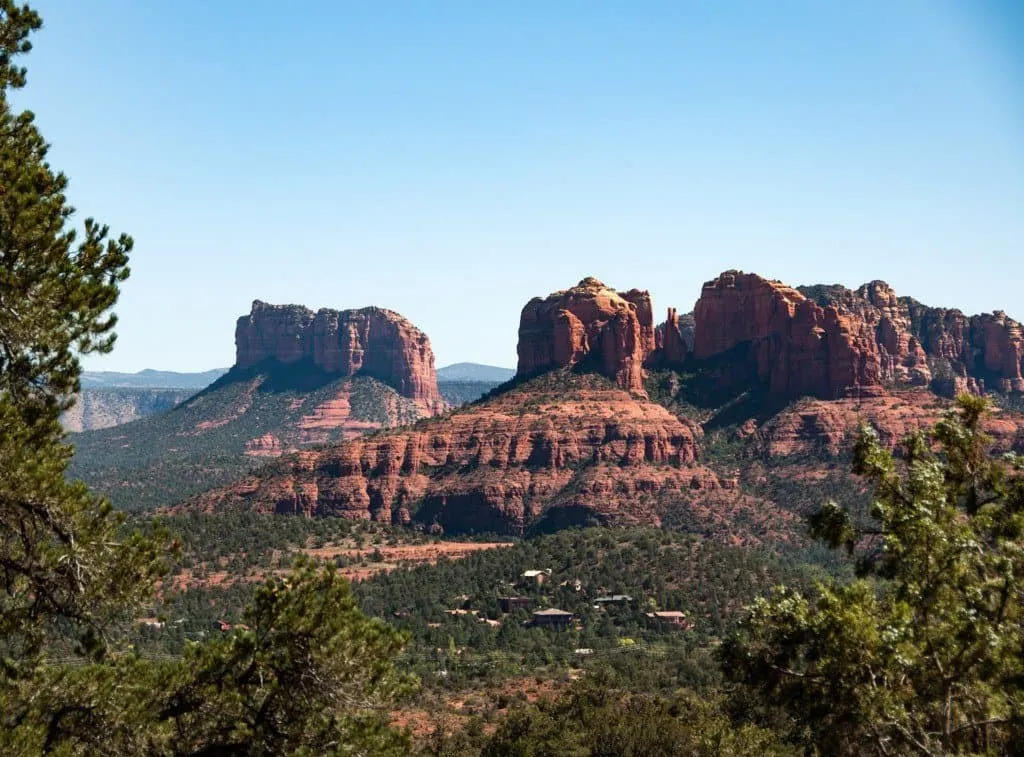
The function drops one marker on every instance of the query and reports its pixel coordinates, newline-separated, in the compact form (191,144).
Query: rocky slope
(555,451)
(300,379)
(103,408)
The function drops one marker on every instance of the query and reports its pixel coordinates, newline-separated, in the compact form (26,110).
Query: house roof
(666,614)
(615,598)
(551,612)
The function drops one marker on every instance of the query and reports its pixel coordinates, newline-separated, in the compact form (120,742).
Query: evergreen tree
(310,675)
(60,555)
(924,653)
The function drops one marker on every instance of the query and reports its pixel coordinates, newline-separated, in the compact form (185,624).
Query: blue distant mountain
(150,379)
(474,372)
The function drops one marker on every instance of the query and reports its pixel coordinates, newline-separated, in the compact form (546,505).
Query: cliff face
(674,338)
(592,322)
(830,342)
(793,345)
(594,452)
(568,447)
(104,408)
(970,353)
(370,341)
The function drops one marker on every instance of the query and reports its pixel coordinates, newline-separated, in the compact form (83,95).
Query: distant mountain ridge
(151,379)
(475,372)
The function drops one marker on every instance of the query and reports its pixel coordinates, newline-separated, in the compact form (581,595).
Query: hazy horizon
(451,161)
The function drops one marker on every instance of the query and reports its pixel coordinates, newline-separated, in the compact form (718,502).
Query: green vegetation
(599,718)
(920,652)
(659,570)
(462,392)
(163,459)
(824,294)
(925,652)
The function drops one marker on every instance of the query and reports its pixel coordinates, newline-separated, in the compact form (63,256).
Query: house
(552,618)
(613,599)
(536,576)
(510,604)
(671,617)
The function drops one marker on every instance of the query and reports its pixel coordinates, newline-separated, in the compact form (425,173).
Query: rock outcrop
(592,453)
(591,322)
(674,338)
(790,343)
(104,408)
(830,342)
(829,428)
(369,341)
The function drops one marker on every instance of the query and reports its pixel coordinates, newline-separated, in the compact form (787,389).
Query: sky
(451,160)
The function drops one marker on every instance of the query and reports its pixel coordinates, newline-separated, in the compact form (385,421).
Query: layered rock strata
(830,342)
(370,341)
(790,343)
(593,453)
(590,322)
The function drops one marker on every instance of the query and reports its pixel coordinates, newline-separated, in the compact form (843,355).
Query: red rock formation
(829,428)
(589,321)
(1000,340)
(902,359)
(370,341)
(943,349)
(794,346)
(502,466)
(671,341)
(831,342)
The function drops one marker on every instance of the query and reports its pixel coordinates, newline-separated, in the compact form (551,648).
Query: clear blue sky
(450,160)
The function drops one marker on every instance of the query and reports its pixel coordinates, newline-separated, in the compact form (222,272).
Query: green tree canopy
(63,569)
(922,654)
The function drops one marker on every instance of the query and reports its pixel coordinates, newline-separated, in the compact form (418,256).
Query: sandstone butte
(370,341)
(852,343)
(592,323)
(567,449)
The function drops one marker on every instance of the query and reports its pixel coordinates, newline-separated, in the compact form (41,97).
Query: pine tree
(60,555)
(310,675)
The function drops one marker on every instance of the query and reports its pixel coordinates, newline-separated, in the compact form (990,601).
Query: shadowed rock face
(674,338)
(370,341)
(614,331)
